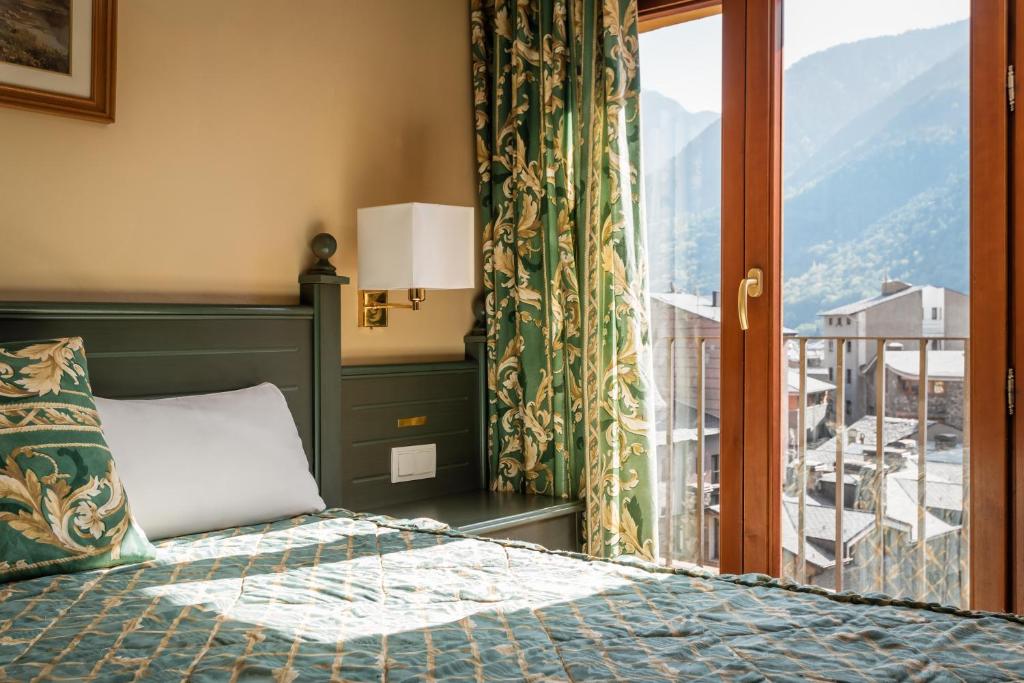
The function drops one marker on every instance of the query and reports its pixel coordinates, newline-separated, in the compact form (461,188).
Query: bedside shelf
(537,519)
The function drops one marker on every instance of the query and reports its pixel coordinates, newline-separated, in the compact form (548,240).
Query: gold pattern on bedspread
(338,596)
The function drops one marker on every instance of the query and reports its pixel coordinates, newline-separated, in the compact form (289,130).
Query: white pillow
(199,463)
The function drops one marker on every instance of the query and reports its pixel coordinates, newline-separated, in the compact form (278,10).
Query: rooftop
(894,429)
(820,525)
(944,365)
(683,434)
(864,304)
(814,385)
(944,486)
(901,506)
(900,513)
(698,305)
(702,306)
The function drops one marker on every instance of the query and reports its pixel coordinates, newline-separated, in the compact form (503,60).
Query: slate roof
(691,303)
(814,555)
(942,495)
(894,429)
(820,522)
(820,526)
(698,305)
(947,365)
(863,304)
(814,385)
(901,506)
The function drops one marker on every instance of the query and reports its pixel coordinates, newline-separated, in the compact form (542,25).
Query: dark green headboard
(155,350)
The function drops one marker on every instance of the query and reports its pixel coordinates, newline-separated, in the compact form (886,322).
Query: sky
(685,61)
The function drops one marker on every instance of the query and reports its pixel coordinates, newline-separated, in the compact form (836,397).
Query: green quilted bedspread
(350,597)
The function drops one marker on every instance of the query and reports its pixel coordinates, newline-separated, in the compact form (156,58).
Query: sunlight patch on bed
(399,590)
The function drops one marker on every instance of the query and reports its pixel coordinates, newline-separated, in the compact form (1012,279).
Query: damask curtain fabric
(556,92)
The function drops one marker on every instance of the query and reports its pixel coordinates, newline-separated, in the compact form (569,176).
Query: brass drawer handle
(417,421)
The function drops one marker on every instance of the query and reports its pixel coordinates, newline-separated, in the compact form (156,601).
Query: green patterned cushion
(62,506)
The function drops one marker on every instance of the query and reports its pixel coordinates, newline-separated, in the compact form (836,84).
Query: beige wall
(242,125)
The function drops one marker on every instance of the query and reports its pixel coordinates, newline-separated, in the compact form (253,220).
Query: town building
(902,314)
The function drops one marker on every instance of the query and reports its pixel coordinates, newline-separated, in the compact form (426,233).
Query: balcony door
(828,236)
(681,137)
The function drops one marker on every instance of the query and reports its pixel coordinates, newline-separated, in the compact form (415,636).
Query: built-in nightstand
(548,521)
(440,406)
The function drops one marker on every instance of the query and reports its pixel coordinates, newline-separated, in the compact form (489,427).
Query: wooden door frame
(752,403)
(654,14)
(751,420)
(1016,289)
(990,474)
(730,435)
(751,430)
(751,426)
(752,236)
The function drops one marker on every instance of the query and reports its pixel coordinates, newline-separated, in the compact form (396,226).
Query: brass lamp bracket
(373,306)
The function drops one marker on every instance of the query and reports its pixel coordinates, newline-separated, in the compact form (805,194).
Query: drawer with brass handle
(385,407)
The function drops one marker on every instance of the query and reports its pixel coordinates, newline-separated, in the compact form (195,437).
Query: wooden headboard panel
(157,350)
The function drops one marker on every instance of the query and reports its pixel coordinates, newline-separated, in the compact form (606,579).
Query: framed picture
(58,56)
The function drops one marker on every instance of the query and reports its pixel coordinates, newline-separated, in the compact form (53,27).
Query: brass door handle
(750,288)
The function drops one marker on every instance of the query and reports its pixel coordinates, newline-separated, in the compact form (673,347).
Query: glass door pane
(681,132)
(876,182)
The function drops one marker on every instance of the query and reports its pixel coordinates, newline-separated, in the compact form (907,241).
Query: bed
(347,596)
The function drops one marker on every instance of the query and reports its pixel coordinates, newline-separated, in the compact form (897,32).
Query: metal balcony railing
(699,344)
(879,481)
(697,386)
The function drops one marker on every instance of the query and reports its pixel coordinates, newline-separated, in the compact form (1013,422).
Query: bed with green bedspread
(350,597)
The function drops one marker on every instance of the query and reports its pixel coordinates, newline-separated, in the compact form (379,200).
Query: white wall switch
(413,462)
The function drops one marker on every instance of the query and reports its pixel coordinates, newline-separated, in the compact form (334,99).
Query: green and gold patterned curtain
(556,91)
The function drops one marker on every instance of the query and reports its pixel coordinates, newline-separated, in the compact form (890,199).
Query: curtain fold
(556,93)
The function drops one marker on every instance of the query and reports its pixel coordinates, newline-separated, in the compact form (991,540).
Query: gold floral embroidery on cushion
(87,519)
(53,361)
(24,416)
(62,506)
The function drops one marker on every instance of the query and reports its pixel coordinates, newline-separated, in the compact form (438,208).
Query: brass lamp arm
(377,307)
(376,302)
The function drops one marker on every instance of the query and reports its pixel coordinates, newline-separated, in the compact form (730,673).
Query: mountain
(894,201)
(876,169)
(672,125)
(825,91)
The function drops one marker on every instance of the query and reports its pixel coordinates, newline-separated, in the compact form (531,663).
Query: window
(681,138)
(863,97)
(831,374)
(831,346)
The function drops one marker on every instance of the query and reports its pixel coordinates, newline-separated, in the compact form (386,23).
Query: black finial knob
(323,247)
(479,314)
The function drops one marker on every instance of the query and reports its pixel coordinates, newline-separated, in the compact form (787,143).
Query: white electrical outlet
(413,462)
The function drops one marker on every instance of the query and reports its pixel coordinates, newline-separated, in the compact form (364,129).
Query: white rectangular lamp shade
(412,246)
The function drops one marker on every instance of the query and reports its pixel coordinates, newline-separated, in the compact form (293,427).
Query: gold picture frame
(98,104)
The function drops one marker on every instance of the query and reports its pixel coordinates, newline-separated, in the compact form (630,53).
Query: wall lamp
(415,247)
